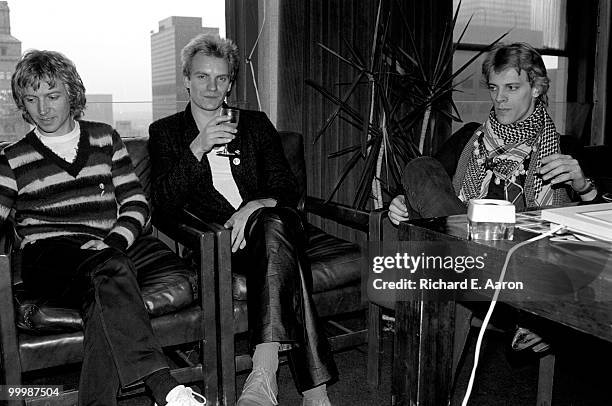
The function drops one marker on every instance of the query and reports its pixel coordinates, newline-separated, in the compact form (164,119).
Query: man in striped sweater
(78,206)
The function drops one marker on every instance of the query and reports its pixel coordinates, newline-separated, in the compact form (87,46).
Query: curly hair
(211,45)
(520,56)
(48,66)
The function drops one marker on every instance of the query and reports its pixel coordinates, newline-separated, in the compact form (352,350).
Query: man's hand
(239,219)
(216,132)
(558,168)
(94,245)
(398,211)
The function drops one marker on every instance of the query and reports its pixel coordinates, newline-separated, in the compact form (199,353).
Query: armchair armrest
(195,221)
(380,227)
(342,214)
(203,242)
(220,253)
(200,239)
(8,329)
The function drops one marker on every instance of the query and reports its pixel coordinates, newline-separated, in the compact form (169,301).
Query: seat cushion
(336,266)
(167,284)
(44,351)
(334,263)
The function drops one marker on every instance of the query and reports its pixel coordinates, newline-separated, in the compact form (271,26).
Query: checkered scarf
(500,151)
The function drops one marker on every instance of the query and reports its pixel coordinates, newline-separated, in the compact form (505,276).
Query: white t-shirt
(65,146)
(222,177)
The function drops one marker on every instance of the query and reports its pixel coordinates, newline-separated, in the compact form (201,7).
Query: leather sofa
(38,336)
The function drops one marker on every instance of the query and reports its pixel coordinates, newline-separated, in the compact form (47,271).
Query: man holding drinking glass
(249,188)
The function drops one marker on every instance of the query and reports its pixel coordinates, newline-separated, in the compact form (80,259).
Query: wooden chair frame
(229,363)
(204,372)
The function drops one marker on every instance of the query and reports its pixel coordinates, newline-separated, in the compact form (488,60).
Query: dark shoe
(260,389)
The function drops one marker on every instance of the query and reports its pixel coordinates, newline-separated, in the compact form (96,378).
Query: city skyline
(109,42)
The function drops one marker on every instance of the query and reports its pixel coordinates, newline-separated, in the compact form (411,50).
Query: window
(120,69)
(541,23)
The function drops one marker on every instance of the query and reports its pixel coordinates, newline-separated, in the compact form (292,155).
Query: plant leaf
(353,52)
(345,171)
(341,105)
(342,58)
(412,42)
(365,180)
(347,150)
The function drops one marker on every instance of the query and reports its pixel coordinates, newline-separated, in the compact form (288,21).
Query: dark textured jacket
(180,181)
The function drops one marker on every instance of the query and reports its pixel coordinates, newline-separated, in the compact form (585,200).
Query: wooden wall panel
(303,24)
(241,21)
(332,23)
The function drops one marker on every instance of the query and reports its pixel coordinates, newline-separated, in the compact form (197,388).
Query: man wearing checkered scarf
(514,155)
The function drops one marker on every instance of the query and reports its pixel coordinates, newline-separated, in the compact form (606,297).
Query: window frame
(587,62)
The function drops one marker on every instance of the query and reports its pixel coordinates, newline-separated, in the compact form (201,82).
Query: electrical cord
(494,302)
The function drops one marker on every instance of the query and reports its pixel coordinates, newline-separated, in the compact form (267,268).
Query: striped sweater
(97,195)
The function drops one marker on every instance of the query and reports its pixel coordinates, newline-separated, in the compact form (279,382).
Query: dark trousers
(429,191)
(279,285)
(119,345)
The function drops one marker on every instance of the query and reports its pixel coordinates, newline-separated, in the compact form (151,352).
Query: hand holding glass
(234,116)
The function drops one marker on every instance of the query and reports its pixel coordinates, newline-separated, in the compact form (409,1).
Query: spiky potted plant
(404,101)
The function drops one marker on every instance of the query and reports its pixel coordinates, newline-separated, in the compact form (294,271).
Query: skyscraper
(11,124)
(169,94)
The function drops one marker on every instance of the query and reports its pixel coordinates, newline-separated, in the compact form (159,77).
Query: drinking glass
(234,116)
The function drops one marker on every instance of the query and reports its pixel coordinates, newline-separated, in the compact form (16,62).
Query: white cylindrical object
(491,219)
(491,210)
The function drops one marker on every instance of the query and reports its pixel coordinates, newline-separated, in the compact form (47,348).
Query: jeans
(429,191)
(279,285)
(119,345)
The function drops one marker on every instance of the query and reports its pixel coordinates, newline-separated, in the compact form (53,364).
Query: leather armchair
(37,336)
(337,266)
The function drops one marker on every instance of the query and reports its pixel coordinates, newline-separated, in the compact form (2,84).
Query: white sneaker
(182,396)
(324,401)
(260,389)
